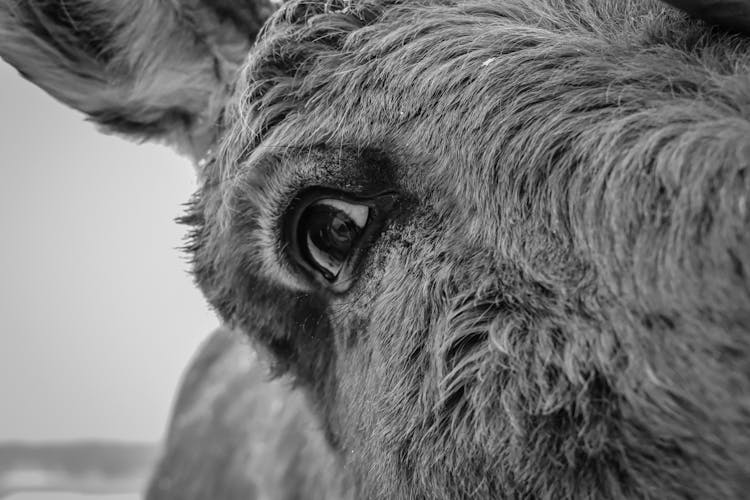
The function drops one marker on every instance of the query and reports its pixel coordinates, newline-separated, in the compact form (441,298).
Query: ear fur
(151,69)
(733,15)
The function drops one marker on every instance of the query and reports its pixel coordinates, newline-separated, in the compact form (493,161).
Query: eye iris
(328,234)
(331,231)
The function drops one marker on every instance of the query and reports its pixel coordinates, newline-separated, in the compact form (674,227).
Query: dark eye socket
(328,232)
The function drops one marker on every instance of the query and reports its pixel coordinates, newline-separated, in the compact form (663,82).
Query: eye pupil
(341,230)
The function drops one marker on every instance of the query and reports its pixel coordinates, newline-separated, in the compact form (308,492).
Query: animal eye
(327,233)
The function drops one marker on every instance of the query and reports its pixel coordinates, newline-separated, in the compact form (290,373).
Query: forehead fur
(533,83)
(386,62)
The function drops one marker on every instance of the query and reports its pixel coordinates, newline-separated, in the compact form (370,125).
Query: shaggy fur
(558,307)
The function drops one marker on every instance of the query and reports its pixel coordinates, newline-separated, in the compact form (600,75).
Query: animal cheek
(349,329)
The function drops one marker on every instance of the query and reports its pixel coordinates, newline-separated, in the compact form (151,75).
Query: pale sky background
(98,315)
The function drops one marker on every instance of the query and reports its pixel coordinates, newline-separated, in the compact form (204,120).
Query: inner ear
(149,70)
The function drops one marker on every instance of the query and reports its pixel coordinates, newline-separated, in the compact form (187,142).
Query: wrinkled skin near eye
(328,232)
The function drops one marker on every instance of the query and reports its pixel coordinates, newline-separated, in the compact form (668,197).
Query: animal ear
(151,69)
(733,15)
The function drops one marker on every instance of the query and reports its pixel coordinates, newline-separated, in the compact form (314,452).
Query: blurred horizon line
(76,466)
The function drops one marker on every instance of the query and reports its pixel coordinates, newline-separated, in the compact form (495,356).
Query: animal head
(503,245)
